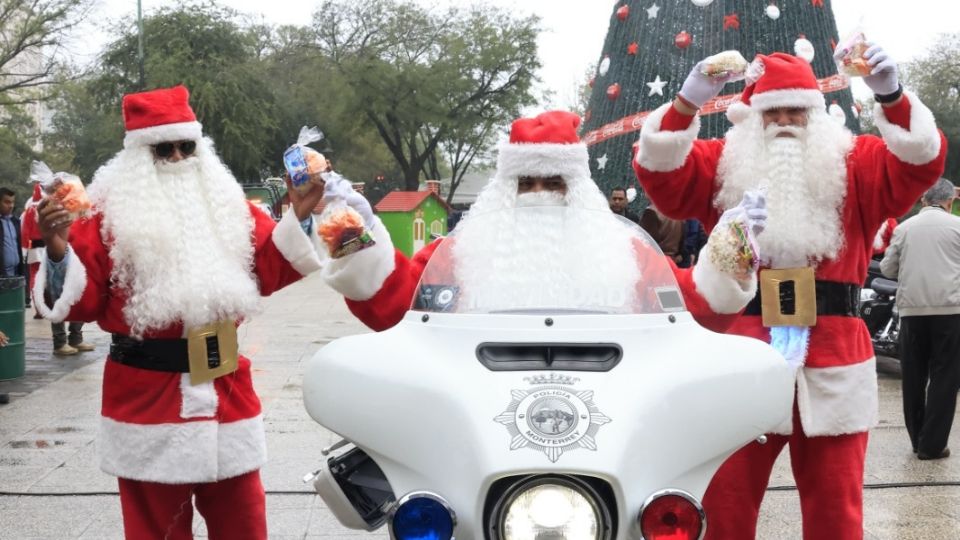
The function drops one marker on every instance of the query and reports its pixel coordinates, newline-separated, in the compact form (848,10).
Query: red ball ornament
(593,80)
(623,12)
(683,40)
(613,91)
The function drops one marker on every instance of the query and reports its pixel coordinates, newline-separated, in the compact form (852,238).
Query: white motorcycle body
(455,404)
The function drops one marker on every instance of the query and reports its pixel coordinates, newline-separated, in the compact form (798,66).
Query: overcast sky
(574,30)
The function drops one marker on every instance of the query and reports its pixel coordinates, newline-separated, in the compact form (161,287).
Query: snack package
(64,188)
(302,162)
(732,251)
(851,62)
(730,64)
(342,230)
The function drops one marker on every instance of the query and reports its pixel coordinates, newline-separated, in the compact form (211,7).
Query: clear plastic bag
(849,55)
(64,188)
(303,163)
(342,228)
(729,65)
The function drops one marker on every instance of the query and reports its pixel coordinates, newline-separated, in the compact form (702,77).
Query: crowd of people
(181,423)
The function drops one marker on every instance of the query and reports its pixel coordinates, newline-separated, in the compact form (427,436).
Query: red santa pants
(233,509)
(829,476)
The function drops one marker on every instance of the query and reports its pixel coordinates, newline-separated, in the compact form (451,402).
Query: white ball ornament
(804,49)
(773,12)
(604,65)
(702,3)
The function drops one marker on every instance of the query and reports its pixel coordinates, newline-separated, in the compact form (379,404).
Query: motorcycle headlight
(559,508)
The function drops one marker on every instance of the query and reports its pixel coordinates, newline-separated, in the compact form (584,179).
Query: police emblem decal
(551,417)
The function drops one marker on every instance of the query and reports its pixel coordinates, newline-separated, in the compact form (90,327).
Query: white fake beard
(804,179)
(535,259)
(180,238)
(541,198)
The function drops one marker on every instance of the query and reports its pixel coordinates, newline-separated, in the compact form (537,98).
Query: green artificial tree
(652,45)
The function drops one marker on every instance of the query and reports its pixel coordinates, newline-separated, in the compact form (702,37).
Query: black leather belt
(169,355)
(833,298)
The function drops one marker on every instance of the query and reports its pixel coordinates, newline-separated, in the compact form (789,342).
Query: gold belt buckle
(775,285)
(206,364)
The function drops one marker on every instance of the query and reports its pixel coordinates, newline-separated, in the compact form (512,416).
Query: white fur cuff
(838,400)
(918,146)
(294,245)
(361,275)
(665,151)
(544,160)
(181,131)
(74,283)
(723,293)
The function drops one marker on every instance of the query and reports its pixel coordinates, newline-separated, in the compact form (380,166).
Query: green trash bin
(12,356)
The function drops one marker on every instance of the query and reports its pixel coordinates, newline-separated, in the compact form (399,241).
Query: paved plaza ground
(51,488)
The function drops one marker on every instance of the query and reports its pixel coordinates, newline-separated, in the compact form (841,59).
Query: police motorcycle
(878,310)
(600,419)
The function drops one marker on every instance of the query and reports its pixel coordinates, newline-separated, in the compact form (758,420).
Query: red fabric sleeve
(88,247)
(899,113)
(272,269)
(386,308)
(28,227)
(675,120)
(687,192)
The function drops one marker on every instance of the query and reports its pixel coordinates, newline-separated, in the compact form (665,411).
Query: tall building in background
(652,45)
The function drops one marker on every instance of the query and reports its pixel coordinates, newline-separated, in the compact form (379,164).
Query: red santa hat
(543,146)
(159,116)
(779,80)
(37,193)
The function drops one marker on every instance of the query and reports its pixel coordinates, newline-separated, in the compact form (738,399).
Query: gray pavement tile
(69,479)
(47,517)
(19,479)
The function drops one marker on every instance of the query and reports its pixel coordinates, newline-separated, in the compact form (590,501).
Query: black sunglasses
(166,149)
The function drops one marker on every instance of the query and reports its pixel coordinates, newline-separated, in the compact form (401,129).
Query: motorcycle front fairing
(437,413)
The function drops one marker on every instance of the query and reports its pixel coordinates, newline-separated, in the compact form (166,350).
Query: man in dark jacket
(11,257)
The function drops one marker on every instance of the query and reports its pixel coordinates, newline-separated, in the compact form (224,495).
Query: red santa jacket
(156,426)
(379,285)
(882,240)
(837,388)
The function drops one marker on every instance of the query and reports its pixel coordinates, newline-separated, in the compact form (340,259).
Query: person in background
(924,256)
(618,204)
(666,232)
(11,256)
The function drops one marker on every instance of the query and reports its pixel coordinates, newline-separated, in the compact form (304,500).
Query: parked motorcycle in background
(601,422)
(878,309)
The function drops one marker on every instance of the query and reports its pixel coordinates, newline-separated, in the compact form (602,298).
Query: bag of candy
(62,187)
(730,64)
(849,56)
(342,228)
(303,163)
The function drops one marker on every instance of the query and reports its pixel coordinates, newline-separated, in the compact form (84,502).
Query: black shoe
(4,399)
(945,453)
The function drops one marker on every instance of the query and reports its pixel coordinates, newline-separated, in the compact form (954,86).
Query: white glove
(752,209)
(338,187)
(699,88)
(883,80)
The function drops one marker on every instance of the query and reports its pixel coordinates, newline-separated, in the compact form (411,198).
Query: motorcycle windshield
(548,260)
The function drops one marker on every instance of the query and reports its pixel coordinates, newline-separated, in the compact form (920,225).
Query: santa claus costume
(30,238)
(827,194)
(882,239)
(171,246)
(526,257)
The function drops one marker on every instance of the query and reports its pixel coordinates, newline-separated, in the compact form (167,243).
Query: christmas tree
(652,45)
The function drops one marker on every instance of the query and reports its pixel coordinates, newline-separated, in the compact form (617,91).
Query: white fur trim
(294,245)
(838,400)
(543,160)
(202,451)
(665,151)
(738,112)
(878,238)
(183,131)
(199,401)
(359,276)
(34,255)
(74,283)
(918,146)
(722,292)
(808,99)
